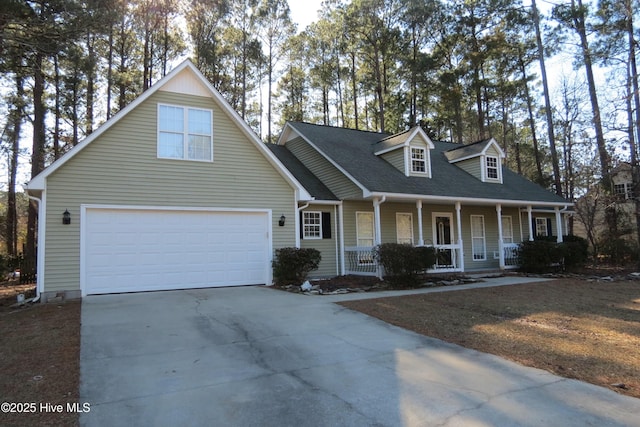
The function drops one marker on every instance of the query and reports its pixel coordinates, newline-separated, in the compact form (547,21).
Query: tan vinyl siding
(471,166)
(395,158)
(491,237)
(121,168)
(327,247)
(335,180)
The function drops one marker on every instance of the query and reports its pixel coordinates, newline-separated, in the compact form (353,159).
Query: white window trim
(473,239)
(426,160)
(373,228)
(485,168)
(185,133)
(304,224)
(410,215)
(504,234)
(546,230)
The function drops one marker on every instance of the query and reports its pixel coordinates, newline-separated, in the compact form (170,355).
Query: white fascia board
(469,200)
(419,131)
(493,142)
(389,149)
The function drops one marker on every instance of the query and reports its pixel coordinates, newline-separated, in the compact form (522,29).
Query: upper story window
(492,167)
(623,190)
(185,133)
(418,160)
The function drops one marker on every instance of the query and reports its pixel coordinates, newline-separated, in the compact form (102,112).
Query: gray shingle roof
(309,181)
(353,151)
(461,152)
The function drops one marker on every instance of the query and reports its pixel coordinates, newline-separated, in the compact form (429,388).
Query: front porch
(470,237)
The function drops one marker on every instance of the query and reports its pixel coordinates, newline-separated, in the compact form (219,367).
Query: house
(176,191)
(406,188)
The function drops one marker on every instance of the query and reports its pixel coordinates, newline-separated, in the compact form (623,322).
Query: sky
(304,12)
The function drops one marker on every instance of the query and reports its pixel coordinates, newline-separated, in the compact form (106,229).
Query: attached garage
(145,249)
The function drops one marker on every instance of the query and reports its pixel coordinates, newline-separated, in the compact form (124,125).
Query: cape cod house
(176,191)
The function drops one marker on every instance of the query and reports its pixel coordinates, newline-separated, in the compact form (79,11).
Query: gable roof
(475,149)
(401,139)
(311,183)
(38,183)
(352,151)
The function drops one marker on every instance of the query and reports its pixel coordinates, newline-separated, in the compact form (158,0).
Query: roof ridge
(482,141)
(338,127)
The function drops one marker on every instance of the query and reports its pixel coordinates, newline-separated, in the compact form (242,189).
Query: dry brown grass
(587,330)
(39,358)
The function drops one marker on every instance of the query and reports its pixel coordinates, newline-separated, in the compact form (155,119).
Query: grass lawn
(39,358)
(587,330)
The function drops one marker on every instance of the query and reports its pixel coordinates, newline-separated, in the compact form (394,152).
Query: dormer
(482,159)
(409,152)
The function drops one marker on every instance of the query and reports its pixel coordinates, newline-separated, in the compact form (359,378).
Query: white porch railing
(360,260)
(510,251)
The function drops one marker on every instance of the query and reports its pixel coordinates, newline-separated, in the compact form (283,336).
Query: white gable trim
(491,142)
(39,181)
(415,132)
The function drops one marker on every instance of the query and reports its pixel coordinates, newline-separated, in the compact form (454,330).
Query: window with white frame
(492,167)
(623,190)
(312,225)
(507,229)
(364,229)
(478,244)
(184,133)
(541,227)
(404,228)
(418,160)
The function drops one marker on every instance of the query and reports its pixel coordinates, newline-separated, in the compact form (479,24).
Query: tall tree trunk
(532,123)
(109,72)
(579,22)
(547,102)
(633,77)
(56,107)
(37,154)
(354,88)
(15,122)
(379,89)
(91,70)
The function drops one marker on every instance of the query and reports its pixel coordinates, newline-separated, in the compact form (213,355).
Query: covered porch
(467,235)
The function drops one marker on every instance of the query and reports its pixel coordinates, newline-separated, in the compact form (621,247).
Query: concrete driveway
(255,356)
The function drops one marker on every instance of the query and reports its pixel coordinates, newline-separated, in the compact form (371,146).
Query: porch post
(420,233)
(558,224)
(500,242)
(530,222)
(459,227)
(377,239)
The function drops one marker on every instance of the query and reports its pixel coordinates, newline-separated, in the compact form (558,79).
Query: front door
(443,239)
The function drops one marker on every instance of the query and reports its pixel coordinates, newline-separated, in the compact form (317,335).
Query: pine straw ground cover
(39,358)
(587,330)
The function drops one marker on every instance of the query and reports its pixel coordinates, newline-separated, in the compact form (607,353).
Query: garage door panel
(128,250)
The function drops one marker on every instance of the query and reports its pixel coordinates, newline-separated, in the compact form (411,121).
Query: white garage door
(131,250)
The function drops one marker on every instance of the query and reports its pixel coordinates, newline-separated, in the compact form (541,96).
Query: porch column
(420,233)
(558,224)
(500,242)
(377,239)
(459,227)
(530,222)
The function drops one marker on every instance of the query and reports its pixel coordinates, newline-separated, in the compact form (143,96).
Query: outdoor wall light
(281,222)
(66,217)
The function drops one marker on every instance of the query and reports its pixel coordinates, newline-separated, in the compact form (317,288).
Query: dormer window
(418,160)
(492,167)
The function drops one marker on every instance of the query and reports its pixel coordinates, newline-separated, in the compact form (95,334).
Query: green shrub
(402,263)
(543,255)
(293,265)
(617,251)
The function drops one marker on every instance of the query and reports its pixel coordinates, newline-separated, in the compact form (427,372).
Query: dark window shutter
(301,225)
(549,229)
(534,230)
(326,225)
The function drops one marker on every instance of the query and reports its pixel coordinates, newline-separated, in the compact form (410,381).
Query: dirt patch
(39,359)
(575,328)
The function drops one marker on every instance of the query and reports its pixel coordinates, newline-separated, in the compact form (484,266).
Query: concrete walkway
(260,357)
